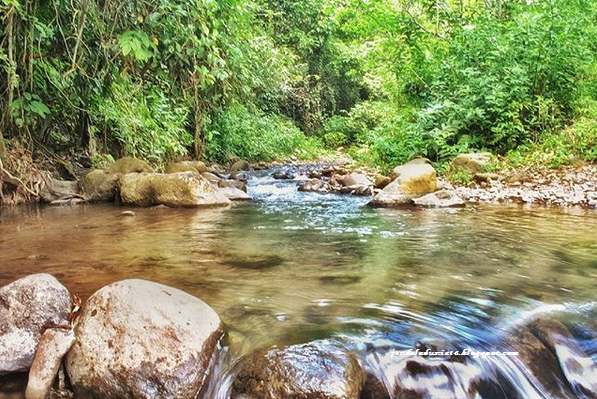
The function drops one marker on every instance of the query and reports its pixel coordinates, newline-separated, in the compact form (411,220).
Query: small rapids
(294,267)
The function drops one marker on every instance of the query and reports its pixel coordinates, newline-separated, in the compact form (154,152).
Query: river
(293,267)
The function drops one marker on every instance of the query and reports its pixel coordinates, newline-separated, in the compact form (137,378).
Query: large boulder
(412,180)
(186,189)
(186,166)
(128,165)
(472,163)
(99,186)
(309,371)
(27,307)
(137,339)
(240,165)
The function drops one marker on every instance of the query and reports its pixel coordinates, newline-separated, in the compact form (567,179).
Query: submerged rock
(186,166)
(175,190)
(27,307)
(310,371)
(453,377)
(99,186)
(128,165)
(440,199)
(579,369)
(52,347)
(137,339)
(412,181)
(472,163)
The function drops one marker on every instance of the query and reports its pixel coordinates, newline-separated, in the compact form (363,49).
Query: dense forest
(383,80)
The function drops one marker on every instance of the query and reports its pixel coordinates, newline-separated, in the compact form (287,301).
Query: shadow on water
(294,267)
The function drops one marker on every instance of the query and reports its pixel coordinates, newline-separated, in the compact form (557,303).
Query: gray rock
(440,199)
(99,186)
(27,307)
(186,189)
(58,190)
(314,185)
(52,347)
(234,194)
(354,179)
(137,339)
(310,371)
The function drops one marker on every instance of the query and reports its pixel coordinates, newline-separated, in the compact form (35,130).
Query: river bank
(465,181)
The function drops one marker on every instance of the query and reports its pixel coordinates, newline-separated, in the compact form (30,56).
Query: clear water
(293,267)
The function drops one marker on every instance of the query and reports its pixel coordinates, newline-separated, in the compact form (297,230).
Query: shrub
(255,136)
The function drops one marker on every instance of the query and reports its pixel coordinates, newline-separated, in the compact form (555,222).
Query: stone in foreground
(412,181)
(27,307)
(52,347)
(137,339)
(310,371)
(186,189)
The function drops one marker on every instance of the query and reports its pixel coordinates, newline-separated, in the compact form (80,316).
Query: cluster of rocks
(138,339)
(132,181)
(566,187)
(414,183)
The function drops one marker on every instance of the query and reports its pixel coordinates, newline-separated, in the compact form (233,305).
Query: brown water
(293,267)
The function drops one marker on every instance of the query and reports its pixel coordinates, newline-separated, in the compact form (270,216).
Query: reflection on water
(293,267)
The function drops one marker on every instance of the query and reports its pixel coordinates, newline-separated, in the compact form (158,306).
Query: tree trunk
(2,149)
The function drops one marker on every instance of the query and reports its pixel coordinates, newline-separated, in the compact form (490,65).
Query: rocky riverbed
(416,183)
(137,339)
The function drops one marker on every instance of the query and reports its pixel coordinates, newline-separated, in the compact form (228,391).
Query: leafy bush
(255,136)
(145,121)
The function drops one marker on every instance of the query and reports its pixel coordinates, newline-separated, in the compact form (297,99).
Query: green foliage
(254,136)
(136,44)
(144,120)
(386,81)
(29,109)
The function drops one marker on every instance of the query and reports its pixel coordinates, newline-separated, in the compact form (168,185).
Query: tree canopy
(386,80)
